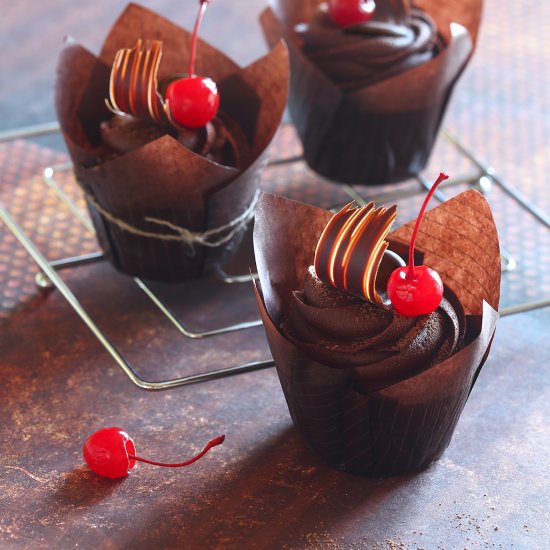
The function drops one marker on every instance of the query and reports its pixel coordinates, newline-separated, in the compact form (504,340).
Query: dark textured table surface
(263,488)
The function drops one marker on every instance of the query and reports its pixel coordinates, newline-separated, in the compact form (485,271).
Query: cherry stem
(218,441)
(193,54)
(411,274)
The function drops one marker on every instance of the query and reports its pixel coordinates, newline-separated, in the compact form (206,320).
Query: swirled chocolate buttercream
(219,140)
(383,346)
(371,51)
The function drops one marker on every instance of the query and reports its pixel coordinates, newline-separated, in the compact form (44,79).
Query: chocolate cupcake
(168,202)
(374,391)
(368,98)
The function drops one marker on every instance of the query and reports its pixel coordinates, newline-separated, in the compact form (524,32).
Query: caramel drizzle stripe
(351,248)
(149,86)
(386,221)
(111,102)
(355,238)
(118,100)
(154,101)
(340,245)
(141,83)
(135,61)
(363,263)
(369,280)
(120,82)
(333,237)
(329,235)
(376,245)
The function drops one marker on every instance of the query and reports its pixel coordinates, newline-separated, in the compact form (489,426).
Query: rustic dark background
(263,488)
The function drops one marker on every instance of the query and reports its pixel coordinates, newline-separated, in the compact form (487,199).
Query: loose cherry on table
(351,12)
(416,290)
(110,452)
(194,100)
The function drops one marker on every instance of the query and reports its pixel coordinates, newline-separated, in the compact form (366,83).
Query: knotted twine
(211,238)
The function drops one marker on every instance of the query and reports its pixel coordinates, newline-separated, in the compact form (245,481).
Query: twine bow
(211,238)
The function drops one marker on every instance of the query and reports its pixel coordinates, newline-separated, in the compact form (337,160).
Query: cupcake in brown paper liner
(372,391)
(367,100)
(168,203)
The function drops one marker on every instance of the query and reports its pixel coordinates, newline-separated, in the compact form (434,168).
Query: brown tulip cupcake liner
(383,132)
(162,211)
(401,425)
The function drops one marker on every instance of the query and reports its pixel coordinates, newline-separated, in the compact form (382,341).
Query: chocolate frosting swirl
(214,141)
(371,51)
(381,345)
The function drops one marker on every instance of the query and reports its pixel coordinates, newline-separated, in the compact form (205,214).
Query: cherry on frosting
(194,100)
(416,290)
(110,452)
(351,12)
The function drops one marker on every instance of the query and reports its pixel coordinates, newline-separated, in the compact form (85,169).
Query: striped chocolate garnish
(133,85)
(351,248)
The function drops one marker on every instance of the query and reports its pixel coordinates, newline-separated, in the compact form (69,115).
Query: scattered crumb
(321,540)
(396,545)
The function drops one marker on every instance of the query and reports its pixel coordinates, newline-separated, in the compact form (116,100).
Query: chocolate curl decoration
(133,83)
(351,248)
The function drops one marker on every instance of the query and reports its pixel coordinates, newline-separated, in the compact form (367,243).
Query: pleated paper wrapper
(163,179)
(405,426)
(384,132)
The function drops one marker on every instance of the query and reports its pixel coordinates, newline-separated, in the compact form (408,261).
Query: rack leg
(120,360)
(490,172)
(41,279)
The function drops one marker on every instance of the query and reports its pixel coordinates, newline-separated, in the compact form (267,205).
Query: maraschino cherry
(351,12)
(194,100)
(416,290)
(110,452)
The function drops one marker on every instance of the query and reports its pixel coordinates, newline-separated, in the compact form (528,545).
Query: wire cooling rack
(481,177)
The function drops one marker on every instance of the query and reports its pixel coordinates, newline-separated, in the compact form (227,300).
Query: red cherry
(418,296)
(351,12)
(107,452)
(110,452)
(416,290)
(193,101)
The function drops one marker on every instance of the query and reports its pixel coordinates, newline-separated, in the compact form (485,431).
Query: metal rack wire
(481,177)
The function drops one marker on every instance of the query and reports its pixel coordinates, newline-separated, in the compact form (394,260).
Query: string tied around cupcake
(211,238)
